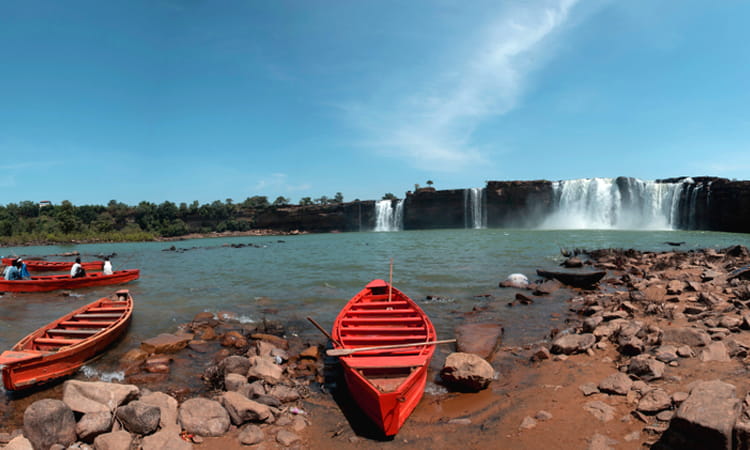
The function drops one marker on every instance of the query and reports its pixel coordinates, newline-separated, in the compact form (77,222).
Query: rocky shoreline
(655,355)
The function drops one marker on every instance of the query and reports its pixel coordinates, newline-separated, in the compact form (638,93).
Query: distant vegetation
(31,222)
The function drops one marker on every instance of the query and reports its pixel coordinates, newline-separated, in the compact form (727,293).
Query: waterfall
(388,217)
(474,210)
(616,203)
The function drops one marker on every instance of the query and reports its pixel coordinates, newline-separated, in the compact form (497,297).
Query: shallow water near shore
(447,272)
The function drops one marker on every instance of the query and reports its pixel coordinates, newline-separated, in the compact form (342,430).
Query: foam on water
(90,372)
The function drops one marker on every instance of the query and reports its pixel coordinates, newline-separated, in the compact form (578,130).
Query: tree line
(31,222)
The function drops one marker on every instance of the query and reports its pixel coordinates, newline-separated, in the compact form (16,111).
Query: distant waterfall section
(623,203)
(475,215)
(389,216)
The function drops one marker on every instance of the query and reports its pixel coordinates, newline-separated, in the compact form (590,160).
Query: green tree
(305,201)
(338,198)
(429,183)
(281,201)
(389,196)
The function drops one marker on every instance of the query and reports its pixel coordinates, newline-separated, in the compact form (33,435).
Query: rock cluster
(257,387)
(660,311)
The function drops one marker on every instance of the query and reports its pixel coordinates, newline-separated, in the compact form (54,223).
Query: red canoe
(387,384)
(43,283)
(54,266)
(62,347)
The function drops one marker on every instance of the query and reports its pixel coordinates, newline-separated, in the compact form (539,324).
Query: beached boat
(36,265)
(387,383)
(573,278)
(63,346)
(43,283)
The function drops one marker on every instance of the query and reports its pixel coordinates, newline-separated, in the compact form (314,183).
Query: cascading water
(474,210)
(621,203)
(389,217)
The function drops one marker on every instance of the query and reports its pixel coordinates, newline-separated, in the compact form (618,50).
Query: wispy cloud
(278,182)
(433,128)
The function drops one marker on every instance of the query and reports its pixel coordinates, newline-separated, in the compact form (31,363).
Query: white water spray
(608,203)
(389,217)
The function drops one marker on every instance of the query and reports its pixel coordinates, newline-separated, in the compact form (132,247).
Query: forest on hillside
(32,222)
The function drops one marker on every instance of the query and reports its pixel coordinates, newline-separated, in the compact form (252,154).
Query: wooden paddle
(349,351)
(322,330)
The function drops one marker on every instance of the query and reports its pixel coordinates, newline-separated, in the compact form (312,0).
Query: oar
(349,351)
(322,330)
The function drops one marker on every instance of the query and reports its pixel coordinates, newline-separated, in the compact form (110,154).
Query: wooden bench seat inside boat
(73,331)
(84,323)
(376,362)
(97,316)
(56,341)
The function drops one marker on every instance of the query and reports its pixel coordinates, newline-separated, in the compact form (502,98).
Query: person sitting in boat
(77,270)
(12,272)
(107,266)
(25,275)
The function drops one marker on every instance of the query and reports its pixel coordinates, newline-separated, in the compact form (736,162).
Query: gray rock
(467,372)
(116,440)
(654,401)
(716,351)
(167,407)
(235,364)
(235,382)
(251,434)
(617,383)
(241,409)
(527,423)
(97,396)
(284,394)
(138,417)
(694,337)
(203,417)
(666,354)
(47,422)
(19,443)
(264,368)
(588,389)
(268,400)
(601,442)
(92,425)
(600,410)
(706,419)
(646,368)
(573,343)
(286,438)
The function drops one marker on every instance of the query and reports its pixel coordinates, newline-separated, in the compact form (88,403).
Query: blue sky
(186,100)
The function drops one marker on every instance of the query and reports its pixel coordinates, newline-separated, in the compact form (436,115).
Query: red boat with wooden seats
(63,346)
(387,383)
(37,265)
(44,283)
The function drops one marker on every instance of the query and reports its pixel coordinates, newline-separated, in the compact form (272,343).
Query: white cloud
(277,182)
(432,128)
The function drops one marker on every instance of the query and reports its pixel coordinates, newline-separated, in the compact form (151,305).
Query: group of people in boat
(16,271)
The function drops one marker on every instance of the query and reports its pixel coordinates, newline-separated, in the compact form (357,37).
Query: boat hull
(44,355)
(45,283)
(387,384)
(54,266)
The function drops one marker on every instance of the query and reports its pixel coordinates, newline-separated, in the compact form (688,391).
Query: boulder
(573,343)
(96,396)
(241,409)
(693,337)
(167,408)
(251,434)
(617,383)
(516,280)
(646,368)
(716,351)
(264,368)
(165,343)
(654,401)
(481,339)
(284,394)
(116,440)
(93,424)
(47,422)
(138,417)
(19,443)
(706,419)
(467,372)
(600,410)
(286,438)
(235,364)
(235,382)
(275,340)
(203,417)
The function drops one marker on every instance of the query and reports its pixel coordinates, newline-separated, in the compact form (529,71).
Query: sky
(185,100)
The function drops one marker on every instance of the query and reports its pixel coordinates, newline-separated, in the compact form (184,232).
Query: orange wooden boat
(62,347)
(387,383)
(54,266)
(43,283)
